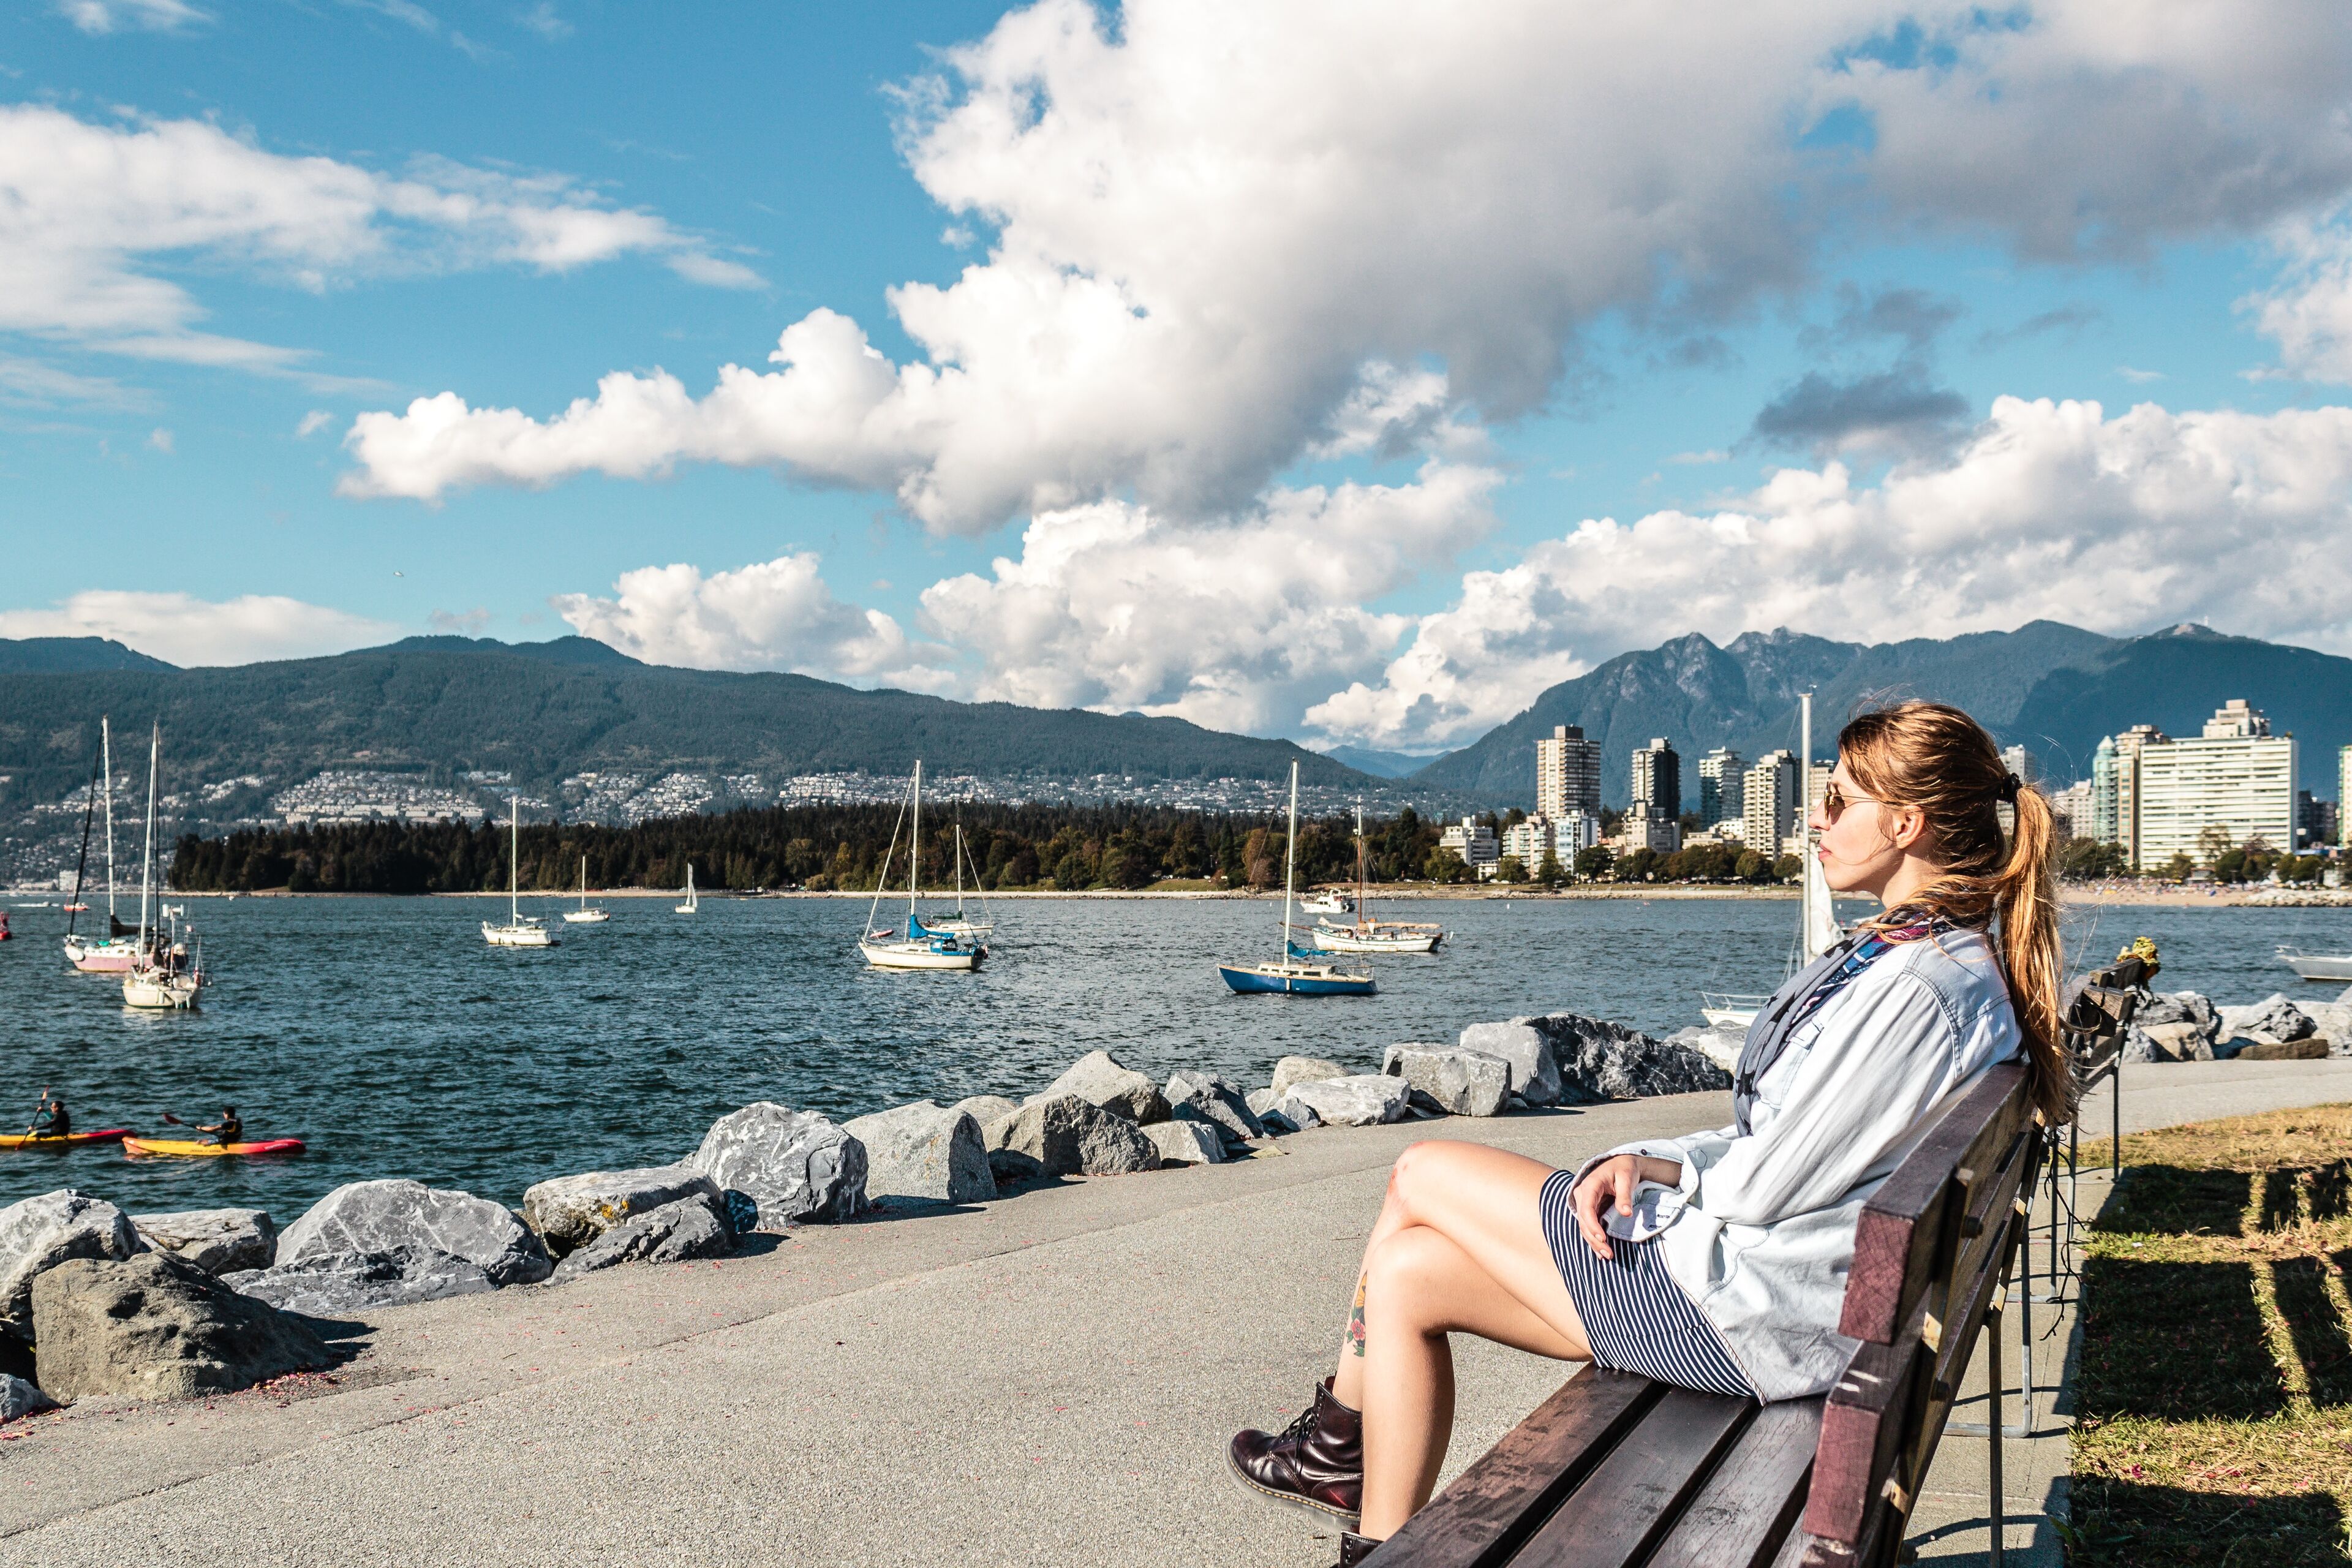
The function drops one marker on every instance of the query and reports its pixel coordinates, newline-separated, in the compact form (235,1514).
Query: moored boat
(1297,973)
(2336,966)
(520,930)
(586,915)
(915,945)
(163,976)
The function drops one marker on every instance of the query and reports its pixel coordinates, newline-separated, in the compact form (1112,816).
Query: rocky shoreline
(97,1302)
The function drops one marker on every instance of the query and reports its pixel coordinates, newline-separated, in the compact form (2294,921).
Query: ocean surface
(389,1038)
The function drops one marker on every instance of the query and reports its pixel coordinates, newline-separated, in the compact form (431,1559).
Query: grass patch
(2215,1405)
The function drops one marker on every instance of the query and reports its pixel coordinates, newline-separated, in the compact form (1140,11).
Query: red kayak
(19,1141)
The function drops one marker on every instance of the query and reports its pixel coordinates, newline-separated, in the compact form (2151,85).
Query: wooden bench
(1617,1471)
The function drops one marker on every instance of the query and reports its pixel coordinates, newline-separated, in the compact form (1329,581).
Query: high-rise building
(1568,772)
(1768,801)
(2231,786)
(1718,784)
(2128,746)
(2019,761)
(1657,781)
(2102,826)
(2314,821)
(2343,794)
(1474,841)
(2073,808)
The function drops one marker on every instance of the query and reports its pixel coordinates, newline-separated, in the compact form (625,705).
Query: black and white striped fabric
(1635,1317)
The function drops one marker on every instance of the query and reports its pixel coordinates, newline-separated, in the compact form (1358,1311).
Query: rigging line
(882,879)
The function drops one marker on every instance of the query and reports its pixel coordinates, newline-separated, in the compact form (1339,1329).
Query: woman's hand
(1612,1182)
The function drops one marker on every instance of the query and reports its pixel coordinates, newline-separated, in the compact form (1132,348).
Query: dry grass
(2215,1406)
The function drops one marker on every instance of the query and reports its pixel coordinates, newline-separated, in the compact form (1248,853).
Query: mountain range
(2056,689)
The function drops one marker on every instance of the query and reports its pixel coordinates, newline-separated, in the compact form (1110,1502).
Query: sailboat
(693,902)
(960,923)
(1817,923)
(113,953)
(1367,934)
(917,946)
(155,981)
(585,915)
(520,930)
(1295,972)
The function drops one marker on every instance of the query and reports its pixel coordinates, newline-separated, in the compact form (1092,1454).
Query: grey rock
(19,1399)
(1202,1097)
(218,1241)
(694,1227)
(924,1151)
(1292,1071)
(2182,1040)
(1453,1080)
(1261,1100)
(1280,1123)
(334,1284)
(1366,1100)
(986,1109)
(1599,1060)
(2333,1019)
(2273,1018)
(1534,1071)
(1720,1045)
(794,1165)
(1187,1142)
(40,1233)
(1099,1078)
(570,1212)
(410,1220)
(156,1327)
(1068,1136)
(2179,1007)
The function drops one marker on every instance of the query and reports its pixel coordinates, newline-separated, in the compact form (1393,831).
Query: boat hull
(586,917)
(157,995)
(517,936)
(1275,980)
(898,955)
(1348,942)
(101,957)
(71,1140)
(192,1148)
(2320,965)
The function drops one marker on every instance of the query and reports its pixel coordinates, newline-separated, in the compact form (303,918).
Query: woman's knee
(1419,1169)
(1407,1276)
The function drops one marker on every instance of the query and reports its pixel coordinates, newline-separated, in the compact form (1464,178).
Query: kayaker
(49,1119)
(229,1130)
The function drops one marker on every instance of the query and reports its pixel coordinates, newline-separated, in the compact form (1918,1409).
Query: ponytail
(1933,758)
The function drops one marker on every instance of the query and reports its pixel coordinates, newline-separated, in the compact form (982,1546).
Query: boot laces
(1300,1429)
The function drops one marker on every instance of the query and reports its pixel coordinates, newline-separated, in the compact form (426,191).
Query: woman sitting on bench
(1716,1262)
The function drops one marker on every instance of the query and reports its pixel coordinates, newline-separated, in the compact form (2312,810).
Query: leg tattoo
(1355,1336)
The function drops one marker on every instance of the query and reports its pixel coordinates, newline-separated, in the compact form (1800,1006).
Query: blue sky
(1280,359)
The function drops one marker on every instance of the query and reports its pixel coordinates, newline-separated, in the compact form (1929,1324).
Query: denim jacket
(1759,1230)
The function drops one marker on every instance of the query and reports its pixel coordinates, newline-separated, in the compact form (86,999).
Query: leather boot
(1317,1462)
(1353,1549)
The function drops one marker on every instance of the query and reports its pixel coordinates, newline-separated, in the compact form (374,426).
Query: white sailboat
(1367,934)
(156,982)
(693,902)
(112,953)
(1817,923)
(1295,972)
(960,923)
(520,930)
(585,915)
(917,945)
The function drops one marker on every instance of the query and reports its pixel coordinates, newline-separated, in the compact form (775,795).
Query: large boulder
(924,1151)
(40,1233)
(2180,1041)
(1366,1100)
(1187,1142)
(1534,1071)
(794,1165)
(1099,1078)
(570,1212)
(1069,1136)
(1203,1096)
(218,1241)
(409,1220)
(1292,1071)
(2179,1007)
(2274,1019)
(1599,1060)
(156,1327)
(1460,1082)
(19,1398)
(1720,1044)
(694,1227)
(336,1284)
(986,1109)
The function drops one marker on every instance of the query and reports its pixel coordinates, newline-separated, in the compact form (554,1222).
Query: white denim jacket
(1760,1231)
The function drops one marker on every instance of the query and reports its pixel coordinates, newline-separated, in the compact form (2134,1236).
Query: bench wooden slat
(1746,1513)
(1513,1488)
(1632,1497)
(1900,1225)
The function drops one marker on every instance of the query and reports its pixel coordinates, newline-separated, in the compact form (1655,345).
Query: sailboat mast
(147,862)
(81,866)
(915,845)
(959,860)
(583,881)
(514,860)
(1289,862)
(1805,818)
(106,750)
(1364,884)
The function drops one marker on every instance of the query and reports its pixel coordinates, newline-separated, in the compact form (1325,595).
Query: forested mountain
(543,710)
(2055,688)
(57,655)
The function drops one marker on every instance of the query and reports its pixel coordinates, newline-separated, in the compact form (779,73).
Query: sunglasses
(1834,801)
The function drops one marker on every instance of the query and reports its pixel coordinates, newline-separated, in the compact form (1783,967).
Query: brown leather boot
(1317,1462)
(1353,1549)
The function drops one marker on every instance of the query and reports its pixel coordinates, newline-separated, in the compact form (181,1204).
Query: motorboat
(1299,972)
(2336,966)
(586,914)
(1331,900)
(915,944)
(519,930)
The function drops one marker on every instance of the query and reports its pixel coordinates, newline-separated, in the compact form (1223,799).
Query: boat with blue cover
(1298,972)
(915,945)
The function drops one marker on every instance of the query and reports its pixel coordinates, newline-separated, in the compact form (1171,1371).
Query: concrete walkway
(1047,1380)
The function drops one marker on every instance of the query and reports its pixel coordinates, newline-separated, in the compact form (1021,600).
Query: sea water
(389,1038)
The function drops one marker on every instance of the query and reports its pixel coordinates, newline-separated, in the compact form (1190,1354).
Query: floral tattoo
(1354,1337)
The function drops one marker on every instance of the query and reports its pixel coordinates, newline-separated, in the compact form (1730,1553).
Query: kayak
(198,1146)
(19,1141)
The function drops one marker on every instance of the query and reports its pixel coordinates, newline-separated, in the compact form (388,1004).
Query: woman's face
(1856,841)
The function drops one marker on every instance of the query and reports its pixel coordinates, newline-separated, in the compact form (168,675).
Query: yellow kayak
(52,1141)
(199,1147)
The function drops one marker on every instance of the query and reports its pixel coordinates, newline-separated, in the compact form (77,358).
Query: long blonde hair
(1937,761)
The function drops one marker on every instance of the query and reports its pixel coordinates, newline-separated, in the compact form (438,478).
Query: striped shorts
(1635,1317)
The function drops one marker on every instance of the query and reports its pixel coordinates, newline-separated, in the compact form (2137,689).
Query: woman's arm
(1614,1181)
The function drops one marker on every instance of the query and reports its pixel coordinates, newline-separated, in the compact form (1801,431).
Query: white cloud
(149,16)
(88,211)
(161,440)
(2051,509)
(774,615)
(470,623)
(543,19)
(1712,455)
(313,422)
(183,629)
(2309,309)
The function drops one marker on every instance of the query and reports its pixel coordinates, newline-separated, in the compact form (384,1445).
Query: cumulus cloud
(2308,310)
(776,615)
(1218,227)
(88,214)
(2051,509)
(1899,411)
(182,629)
